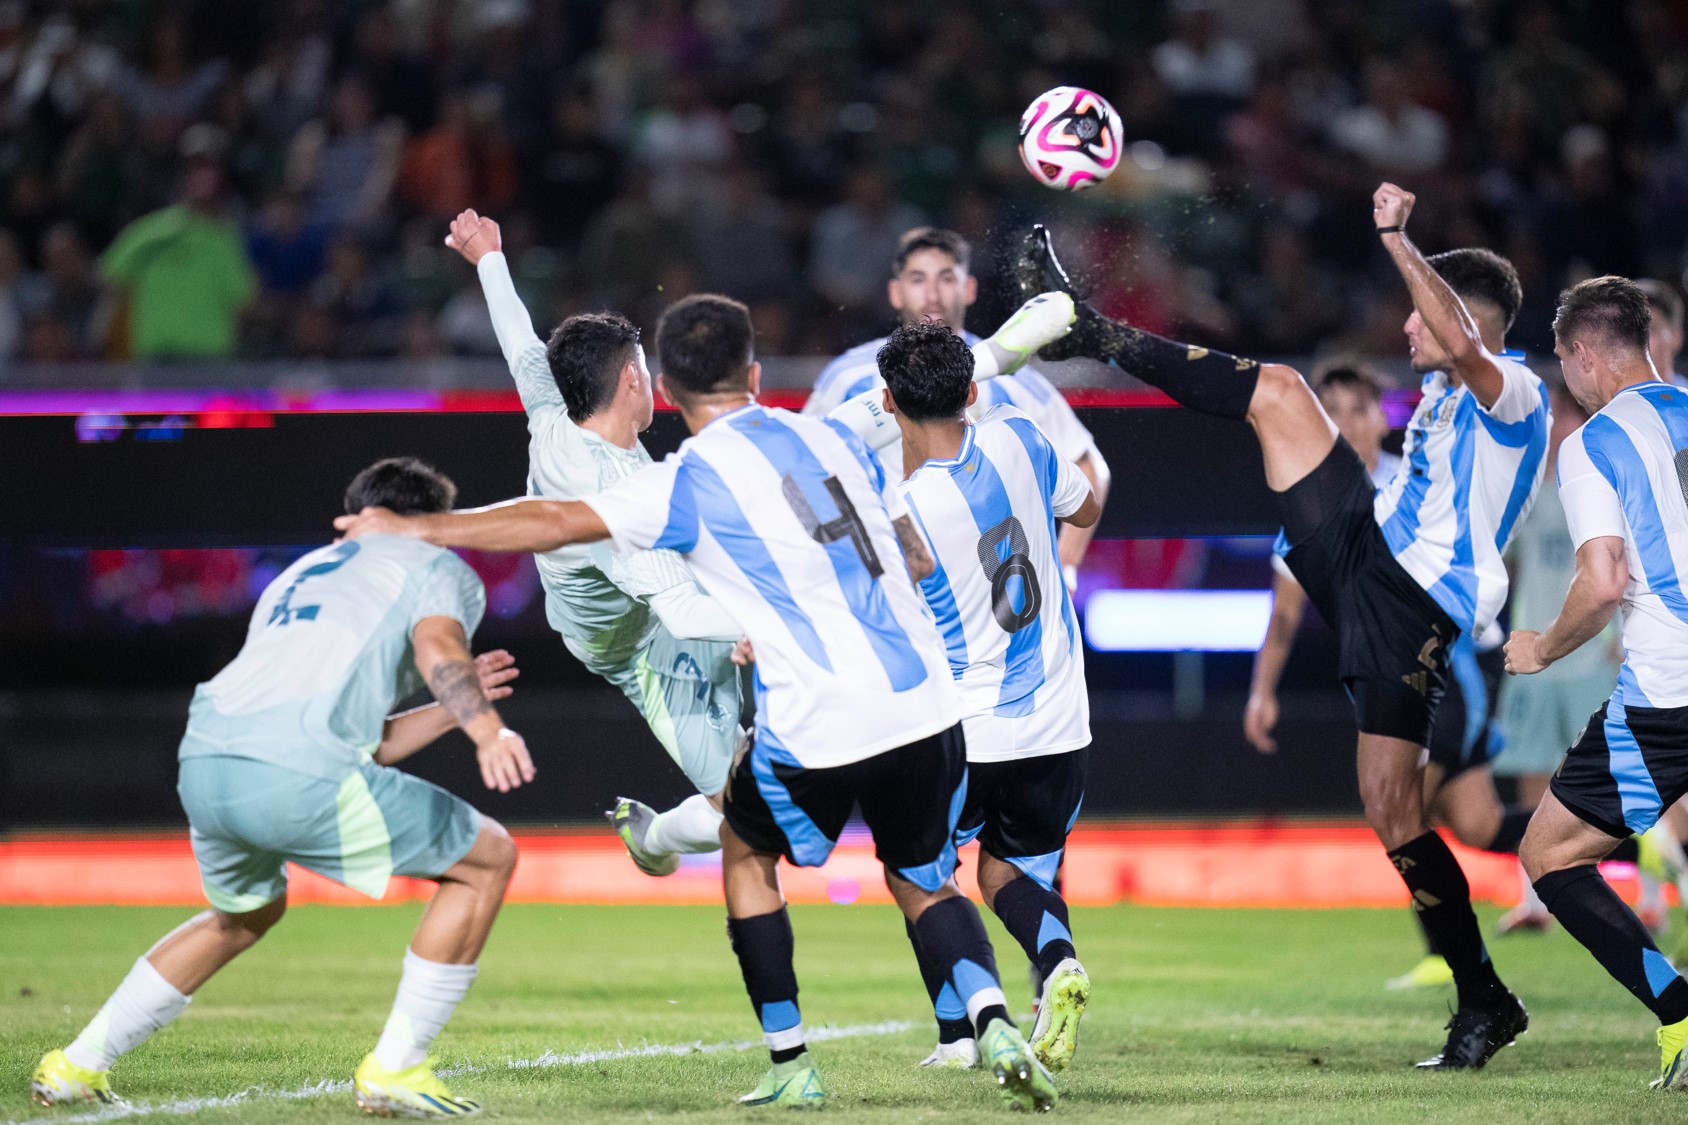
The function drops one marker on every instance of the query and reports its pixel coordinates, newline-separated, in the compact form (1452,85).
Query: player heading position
(1397,572)
(790,523)
(638,619)
(1624,485)
(286,760)
(988,498)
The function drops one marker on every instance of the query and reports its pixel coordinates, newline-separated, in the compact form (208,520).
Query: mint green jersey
(328,655)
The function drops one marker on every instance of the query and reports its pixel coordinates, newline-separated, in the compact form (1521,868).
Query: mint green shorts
(691,695)
(249,819)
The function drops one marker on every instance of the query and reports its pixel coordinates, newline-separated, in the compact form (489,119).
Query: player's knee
(1279,389)
(241,932)
(498,849)
(1392,809)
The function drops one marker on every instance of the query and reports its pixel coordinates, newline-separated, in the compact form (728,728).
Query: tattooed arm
(915,554)
(409,731)
(442,656)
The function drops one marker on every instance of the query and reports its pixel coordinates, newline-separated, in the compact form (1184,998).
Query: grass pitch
(1196,1015)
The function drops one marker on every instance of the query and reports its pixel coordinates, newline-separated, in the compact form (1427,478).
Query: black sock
(1430,949)
(1038,921)
(1514,820)
(946,1005)
(1442,898)
(1593,913)
(1211,381)
(764,946)
(953,935)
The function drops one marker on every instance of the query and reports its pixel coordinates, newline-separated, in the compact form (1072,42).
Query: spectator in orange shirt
(463,161)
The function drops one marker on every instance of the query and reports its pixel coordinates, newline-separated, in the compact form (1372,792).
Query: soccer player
(988,498)
(287,759)
(639,619)
(930,280)
(1622,483)
(1398,573)
(790,523)
(1665,332)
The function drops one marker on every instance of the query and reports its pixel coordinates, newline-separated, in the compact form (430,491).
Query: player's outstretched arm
(1260,716)
(409,731)
(515,525)
(1595,594)
(442,656)
(1443,313)
(478,239)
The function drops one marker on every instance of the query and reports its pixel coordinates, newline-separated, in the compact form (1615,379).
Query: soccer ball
(1070,138)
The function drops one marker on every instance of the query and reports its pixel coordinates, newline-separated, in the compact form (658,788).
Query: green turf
(1197,1015)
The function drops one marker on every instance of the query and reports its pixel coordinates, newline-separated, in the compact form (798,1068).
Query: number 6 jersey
(997,593)
(788,522)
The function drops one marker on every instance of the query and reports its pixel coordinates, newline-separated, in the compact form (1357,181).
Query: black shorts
(1463,734)
(1628,767)
(1393,636)
(910,797)
(1022,810)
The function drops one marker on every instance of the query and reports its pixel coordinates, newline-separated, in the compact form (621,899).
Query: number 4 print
(847,525)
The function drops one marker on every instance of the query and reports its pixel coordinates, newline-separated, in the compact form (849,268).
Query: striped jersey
(328,655)
(997,591)
(857,370)
(788,521)
(1625,474)
(1466,479)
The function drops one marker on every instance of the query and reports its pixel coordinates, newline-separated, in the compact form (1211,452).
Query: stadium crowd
(202,180)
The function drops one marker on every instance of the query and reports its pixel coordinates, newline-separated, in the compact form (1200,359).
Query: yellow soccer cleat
(1673,1057)
(795,1084)
(412,1092)
(1024,1083)
(1428,973)
(1055,1034)
(57,1081)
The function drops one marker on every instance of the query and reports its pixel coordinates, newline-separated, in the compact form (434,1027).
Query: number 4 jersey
(788,522)
(328,655)
(997,593)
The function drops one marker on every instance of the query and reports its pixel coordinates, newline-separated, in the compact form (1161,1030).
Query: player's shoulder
(855,360)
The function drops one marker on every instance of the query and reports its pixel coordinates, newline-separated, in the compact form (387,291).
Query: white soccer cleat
(963,1054)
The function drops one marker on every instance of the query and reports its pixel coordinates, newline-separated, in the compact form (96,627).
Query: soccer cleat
(1055,1034)
(1037,270)
(632,819)
(795,1084)
(412,1092)
(963,1054)
(57,1081)
(1025,1084)
(1673,1057)
(1475,1034)
(1430,971)
(1039,322)
(1523,920)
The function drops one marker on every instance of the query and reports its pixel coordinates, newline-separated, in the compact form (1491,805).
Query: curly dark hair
(928,369)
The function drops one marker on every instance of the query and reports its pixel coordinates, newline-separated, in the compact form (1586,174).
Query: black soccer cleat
(1475,1034)
(1038,270)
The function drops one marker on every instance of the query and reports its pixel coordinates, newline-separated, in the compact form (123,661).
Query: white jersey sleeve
(449,588)
(649,509)
(524,352)
(1520,394)
(1592,506)
(1071,489)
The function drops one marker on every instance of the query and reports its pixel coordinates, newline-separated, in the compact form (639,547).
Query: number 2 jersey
(997,592)
(788,522)
(328,655)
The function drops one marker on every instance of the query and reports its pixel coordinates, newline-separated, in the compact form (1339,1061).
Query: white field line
(252,1094)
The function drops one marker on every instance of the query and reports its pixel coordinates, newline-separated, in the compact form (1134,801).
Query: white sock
(428,993)
(1530,900)
(689,828)
(142,1004)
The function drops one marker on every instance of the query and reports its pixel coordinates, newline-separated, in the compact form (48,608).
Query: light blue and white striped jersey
(1466,479)
(1625,474)
(857,370)
(788,521)
(328,655)
(997,593)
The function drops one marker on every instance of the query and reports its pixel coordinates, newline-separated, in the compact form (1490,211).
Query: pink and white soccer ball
(1070,139)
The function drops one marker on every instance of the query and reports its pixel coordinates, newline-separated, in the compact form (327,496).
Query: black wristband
(1397,229)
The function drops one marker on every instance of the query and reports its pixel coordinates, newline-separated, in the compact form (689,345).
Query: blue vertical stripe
(1023,673)
(1462,662)
(1629,689)
(1456,590)
(1402,527)
(1671,404)
(870,464)
(1046,464)
(1613,453)
(1530,434)
(809,845)
(940,598)
(1636,791)
(680,532)
(791,457)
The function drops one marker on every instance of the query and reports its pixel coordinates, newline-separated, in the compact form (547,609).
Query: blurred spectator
(66,295)
(287,251)
(1289,305)
(1589,228)
(854,242)
(95,171)
(404,83)
(1266,142)
(183,270)
(12,281)
(1389,132)
(1664,335)
(167,94)
(362,306)
(740,244)
(685,143)
(1211,75)
(573,173)
(627,246)
(464,161)
(346,167)
(1551,83)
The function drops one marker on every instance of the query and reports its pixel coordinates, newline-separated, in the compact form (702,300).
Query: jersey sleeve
(524,352)
(450,589)
(1592,506)
(645,574)
(653,508)
(1520,394)
(1072,489)
(1045,405)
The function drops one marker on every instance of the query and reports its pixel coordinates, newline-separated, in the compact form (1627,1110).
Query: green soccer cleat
(795,1084)
(1431,971)
(1055,1034)
(1673,1057)
(1025,1084)
(412,1092)
(632,819)
(58,1081)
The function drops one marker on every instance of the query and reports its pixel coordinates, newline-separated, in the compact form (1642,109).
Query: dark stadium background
(637,151)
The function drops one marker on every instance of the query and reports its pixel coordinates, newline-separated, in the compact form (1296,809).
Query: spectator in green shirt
(184,269)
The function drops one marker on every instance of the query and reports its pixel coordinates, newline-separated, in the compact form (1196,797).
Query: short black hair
(1662,296)
(928,369)
(1354,375)
(1482,275)
(586,353)
(931,238)
(1614,308)
(706,343)
(402,484)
